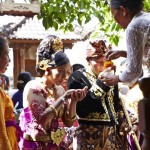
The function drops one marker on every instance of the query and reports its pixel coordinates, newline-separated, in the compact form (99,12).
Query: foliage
(61,14)
(147,5)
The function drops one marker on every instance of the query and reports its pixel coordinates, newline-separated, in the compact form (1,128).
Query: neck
(49,87)
(47,83)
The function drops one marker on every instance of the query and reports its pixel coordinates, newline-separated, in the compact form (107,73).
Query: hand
(135,130)
(76,94)
(115,54)
(109,79)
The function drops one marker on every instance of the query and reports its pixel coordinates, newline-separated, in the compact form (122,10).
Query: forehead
(64,67)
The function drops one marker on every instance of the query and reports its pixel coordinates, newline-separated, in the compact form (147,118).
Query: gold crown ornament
(57,44)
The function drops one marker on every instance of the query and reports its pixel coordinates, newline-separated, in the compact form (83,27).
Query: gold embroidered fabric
(58,136)
(101,94)
(55,136)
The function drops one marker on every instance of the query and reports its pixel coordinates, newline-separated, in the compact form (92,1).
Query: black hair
(3,42)
(133,5)
(52,51)
(23,79)
(45,50)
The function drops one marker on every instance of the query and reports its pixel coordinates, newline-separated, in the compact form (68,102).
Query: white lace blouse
(138,47)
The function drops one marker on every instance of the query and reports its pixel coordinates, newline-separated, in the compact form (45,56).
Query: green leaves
(60,14)
(147,5)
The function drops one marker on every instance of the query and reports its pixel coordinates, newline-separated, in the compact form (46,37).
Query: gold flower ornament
(57,44)
(58,136)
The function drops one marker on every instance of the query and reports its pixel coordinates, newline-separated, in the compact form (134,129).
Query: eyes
(64,72)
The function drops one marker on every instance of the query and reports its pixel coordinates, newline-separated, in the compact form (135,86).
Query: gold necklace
(51,93)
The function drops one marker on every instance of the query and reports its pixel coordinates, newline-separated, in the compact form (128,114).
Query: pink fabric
(28,125)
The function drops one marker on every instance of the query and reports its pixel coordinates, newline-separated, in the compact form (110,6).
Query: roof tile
(33,29)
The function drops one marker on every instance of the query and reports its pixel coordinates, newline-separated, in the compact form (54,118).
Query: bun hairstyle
(133,5)
(50,52)
(23,79)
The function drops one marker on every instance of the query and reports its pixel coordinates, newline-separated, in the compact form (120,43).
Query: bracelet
(54,111)
(69,120)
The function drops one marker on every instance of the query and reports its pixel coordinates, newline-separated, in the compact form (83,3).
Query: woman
(99,114)
(8,131)
(23,79)
(129,15)
(45,102)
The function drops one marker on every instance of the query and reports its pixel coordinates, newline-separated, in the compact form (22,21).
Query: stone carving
(20,7)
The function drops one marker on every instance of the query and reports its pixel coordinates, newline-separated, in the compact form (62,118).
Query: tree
(61,14)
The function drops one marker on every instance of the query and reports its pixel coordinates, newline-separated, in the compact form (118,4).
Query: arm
(74,96)
(114,54)
(135,44)
(4,141)
(35,99)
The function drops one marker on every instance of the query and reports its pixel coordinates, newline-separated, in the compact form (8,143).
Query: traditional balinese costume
(100,115)
(37,136)
(9,130)
(47,134)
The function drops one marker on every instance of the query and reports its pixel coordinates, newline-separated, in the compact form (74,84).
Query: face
(97,64)
(64,84)
(120,16)
(60,74)
(4,59)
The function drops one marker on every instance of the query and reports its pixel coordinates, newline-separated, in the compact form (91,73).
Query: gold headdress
(48,48)
(96,48)
(43,64)
(57,44)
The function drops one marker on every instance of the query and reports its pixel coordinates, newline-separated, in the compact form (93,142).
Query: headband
(57,59)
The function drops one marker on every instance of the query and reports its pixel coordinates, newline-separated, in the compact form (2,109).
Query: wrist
(69,118)
(117,79)
(54,110)
(123,53)
(63,100)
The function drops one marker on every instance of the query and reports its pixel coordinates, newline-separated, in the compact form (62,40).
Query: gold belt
(55,136)
(43,138)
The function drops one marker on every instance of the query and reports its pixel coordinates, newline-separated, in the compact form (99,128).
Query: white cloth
(138,47)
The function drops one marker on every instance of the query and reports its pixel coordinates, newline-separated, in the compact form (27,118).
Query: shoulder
(141,20)
(3,95)
(16,94)
(32,87)
(33,91)
(33,84)
(76,75)
(5,98)
(78,80)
